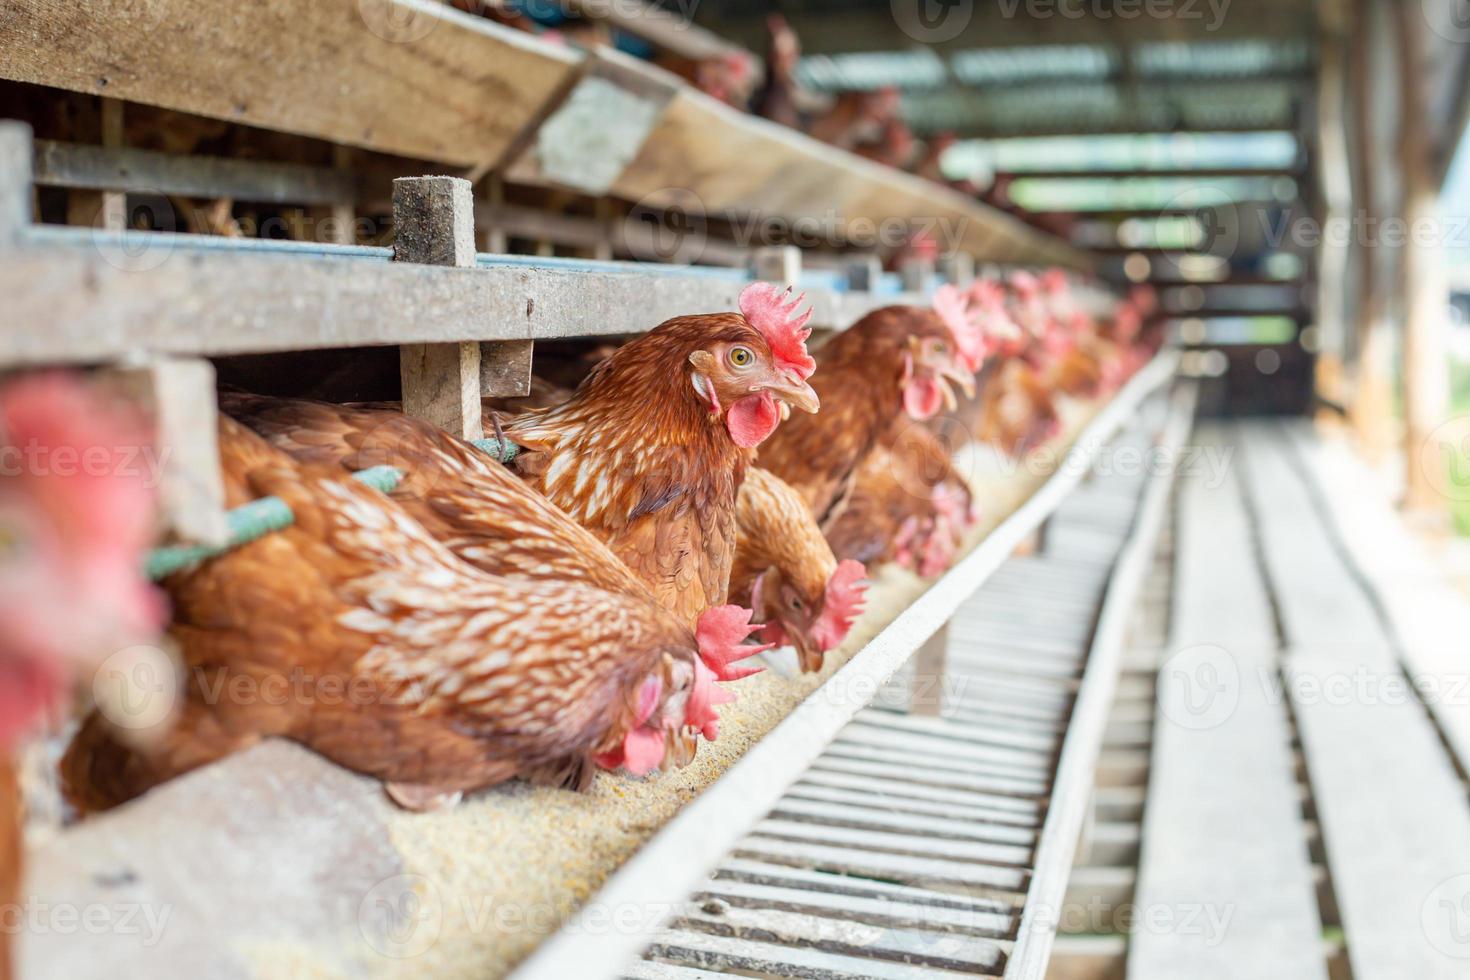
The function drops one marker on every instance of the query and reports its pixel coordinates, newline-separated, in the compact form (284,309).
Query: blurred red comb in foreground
(969,338)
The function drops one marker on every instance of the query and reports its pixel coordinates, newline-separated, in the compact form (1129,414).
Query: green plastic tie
(502,452)
(251,522)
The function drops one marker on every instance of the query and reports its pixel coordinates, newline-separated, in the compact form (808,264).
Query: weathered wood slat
(927,872)
(868,752)
(1399,852)
(1223,839)
(59,164)
(1428,613)
(895,842)
(833,936)
(720,952)
(864,734)
(877,816)
(755,872)
(872,911)
(983,818)
(962,731)
(907,775)
(411,77)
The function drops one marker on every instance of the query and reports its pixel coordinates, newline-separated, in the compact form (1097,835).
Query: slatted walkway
(915,846)
(1302,603)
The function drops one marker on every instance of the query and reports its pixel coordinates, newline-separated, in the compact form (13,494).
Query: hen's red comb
(721,634)
(969,339)
(1024,283)
(842,603)
(987,294)
(1055,281)
(766,308)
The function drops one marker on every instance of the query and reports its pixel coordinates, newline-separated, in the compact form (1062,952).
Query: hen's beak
(808,655)
(963,378)
(797,394)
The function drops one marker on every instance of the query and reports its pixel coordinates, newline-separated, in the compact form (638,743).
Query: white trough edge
(1071,793)
(675,861)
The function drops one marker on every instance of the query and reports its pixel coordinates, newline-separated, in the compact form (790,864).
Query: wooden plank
(434,224)
(907,775)
(740,869)
(585,143)
(983,819)
(719,952)
(1070,797)
(59,164)
(1034,778)
(411,77)
(896,842)
(1223,837)
(871,911)
(908,869)
(873,815)
(782,172)
(1396,854)
(841,936)
(505,368)
(1427,612)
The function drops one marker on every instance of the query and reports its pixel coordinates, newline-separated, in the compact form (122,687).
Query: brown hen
(900,359)
(357,634)
(785,572)
(650,450)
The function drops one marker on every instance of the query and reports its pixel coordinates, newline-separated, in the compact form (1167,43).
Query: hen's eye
(741,356)
(796,602)
(940,347)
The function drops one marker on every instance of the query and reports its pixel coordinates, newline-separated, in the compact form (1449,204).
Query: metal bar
(674,862)
(1082,744)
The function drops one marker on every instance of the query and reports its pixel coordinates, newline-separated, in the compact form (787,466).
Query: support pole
(1335,180)
(931,663)
(1421,271)
(780,264)
(434,224)
(1371,407)
(15,180)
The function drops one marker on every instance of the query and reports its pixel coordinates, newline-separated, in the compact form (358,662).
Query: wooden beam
(179,396)
(59,164)
(1191,173)
(505,368)
(340,70)
(434,224)
(926,679)
(674,33)
(780,264)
